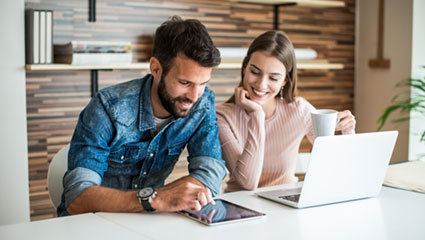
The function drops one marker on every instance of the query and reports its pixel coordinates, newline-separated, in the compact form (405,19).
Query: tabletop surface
(83,226)
(394,214)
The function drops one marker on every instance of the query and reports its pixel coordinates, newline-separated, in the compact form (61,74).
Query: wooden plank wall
(54,99)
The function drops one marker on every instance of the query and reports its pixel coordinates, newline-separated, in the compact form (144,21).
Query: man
(129,137)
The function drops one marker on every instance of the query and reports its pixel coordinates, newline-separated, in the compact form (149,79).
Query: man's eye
(184,83)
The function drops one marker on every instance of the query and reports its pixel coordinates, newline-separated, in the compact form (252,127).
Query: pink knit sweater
(260,152)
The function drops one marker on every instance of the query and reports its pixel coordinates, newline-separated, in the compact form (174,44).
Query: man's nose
(195,92)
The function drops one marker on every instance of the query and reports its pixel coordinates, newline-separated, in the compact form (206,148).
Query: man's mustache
(183,100)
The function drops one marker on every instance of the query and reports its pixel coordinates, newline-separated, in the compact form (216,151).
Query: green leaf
(399,120)
(406,102)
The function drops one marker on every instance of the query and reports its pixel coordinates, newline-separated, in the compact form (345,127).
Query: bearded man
(129,137)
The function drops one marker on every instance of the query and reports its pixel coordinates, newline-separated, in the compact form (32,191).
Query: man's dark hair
(189,37)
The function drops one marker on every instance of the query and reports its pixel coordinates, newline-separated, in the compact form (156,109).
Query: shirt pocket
(168,158)
(125,155)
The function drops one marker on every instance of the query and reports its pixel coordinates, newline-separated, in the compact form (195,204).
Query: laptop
(342,168)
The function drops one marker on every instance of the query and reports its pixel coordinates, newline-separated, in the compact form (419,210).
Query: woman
(263,123)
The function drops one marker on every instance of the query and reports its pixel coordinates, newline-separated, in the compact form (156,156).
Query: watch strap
(146,205)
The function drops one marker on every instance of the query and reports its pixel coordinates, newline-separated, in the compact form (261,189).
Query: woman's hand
(241,99)
(346,122)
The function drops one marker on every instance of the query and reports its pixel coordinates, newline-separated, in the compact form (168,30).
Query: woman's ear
(285,81)
(155,67)
(287,78)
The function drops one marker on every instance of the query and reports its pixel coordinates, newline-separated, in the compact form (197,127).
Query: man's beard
(169,103)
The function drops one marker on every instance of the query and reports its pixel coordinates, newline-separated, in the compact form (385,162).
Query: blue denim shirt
(116,144)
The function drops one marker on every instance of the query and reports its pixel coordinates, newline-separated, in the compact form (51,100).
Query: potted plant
(406,103)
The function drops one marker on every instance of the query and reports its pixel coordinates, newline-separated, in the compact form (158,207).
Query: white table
(395,214)
(78,227)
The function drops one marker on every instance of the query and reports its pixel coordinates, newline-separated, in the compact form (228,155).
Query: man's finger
(202,199)
(196,205)
(208,194)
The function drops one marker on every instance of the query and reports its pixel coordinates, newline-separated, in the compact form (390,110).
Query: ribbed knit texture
(260,152)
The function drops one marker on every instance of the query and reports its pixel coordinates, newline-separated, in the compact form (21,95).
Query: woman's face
(264,77)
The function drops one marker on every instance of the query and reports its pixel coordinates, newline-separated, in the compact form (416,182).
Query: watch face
(146,192)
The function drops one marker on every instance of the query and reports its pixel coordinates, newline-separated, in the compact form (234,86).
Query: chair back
(57,169)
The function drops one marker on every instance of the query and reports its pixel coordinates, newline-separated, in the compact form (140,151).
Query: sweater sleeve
(244,157)
(305,110)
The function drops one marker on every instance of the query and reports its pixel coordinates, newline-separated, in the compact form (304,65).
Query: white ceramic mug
(324,122)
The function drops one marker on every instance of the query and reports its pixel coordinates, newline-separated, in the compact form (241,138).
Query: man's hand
(184,193)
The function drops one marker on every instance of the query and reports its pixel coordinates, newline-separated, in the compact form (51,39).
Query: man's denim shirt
(116,144)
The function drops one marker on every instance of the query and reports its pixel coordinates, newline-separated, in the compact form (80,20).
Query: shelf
(226,64)
(68,67)
(302,3)
(233,64)
(302,64)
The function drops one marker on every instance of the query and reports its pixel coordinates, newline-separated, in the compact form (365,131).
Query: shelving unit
(306,64)
(234,64)
(310,64)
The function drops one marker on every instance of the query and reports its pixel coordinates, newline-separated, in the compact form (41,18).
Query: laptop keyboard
(292,198)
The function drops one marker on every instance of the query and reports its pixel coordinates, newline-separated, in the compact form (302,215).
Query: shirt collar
(146,120)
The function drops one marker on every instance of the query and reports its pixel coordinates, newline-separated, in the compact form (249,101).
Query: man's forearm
(104,199)
(186,192)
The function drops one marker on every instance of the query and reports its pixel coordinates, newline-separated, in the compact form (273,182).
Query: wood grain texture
(55,98)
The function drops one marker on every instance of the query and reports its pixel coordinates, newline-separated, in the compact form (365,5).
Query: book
(38,36)
(32,35)
(42,37)
(93,52)
(49,36)
(406,175)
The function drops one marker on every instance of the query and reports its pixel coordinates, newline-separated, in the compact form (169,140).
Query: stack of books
(38,36)
(93,52)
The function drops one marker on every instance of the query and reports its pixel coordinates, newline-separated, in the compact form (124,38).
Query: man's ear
(155,67)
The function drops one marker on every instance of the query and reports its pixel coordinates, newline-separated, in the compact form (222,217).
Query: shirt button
(151,155)
(135,185)
(122,157)
(144,173)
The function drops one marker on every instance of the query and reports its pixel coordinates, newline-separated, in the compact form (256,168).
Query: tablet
(222,212)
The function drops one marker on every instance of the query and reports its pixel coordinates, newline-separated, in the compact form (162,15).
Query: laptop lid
(347,167)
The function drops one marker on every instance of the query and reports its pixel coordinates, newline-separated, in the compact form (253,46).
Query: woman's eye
(255,72)
(274,79)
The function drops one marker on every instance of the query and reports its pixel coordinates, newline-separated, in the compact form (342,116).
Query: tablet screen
(222,212)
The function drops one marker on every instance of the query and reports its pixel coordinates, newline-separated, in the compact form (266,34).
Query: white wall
(417,122)
(374,88)
(14,200)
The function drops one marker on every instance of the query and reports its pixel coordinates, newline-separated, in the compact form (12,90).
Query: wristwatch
(145,196)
